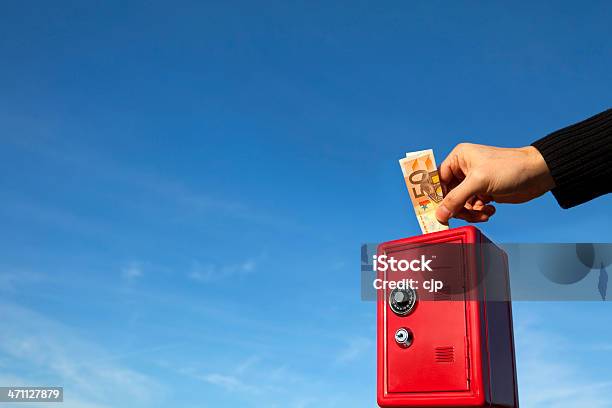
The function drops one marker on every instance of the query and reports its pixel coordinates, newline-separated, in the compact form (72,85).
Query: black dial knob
(402,301)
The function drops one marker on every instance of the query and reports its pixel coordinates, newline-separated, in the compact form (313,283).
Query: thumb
(457,197)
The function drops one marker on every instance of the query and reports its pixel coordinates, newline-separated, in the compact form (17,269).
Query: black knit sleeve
(580,159)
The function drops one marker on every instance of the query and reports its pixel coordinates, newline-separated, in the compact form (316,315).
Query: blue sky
(184,188)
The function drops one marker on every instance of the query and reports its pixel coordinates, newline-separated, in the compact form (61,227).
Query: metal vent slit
(445,354)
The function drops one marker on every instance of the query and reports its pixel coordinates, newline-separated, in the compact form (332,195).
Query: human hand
(476,175)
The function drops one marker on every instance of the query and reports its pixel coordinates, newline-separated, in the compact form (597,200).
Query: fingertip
(443,214)
(489,210)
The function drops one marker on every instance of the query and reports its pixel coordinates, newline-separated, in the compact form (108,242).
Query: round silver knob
(403,337)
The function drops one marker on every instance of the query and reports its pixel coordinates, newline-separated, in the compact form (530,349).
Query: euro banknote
(423,183)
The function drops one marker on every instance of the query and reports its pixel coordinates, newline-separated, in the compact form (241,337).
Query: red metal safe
(442,349)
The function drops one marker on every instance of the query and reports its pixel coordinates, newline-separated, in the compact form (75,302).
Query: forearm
(580,159)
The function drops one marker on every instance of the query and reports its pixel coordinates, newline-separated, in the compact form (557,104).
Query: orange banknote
(423,183)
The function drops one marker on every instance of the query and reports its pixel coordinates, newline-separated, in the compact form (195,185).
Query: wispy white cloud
(547,379)
(254,377)
(187,198)
(71,400)
(230,383)
(243,378)
(212,272)
(133,270)
(46,351)
(355,349)
(245,365)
